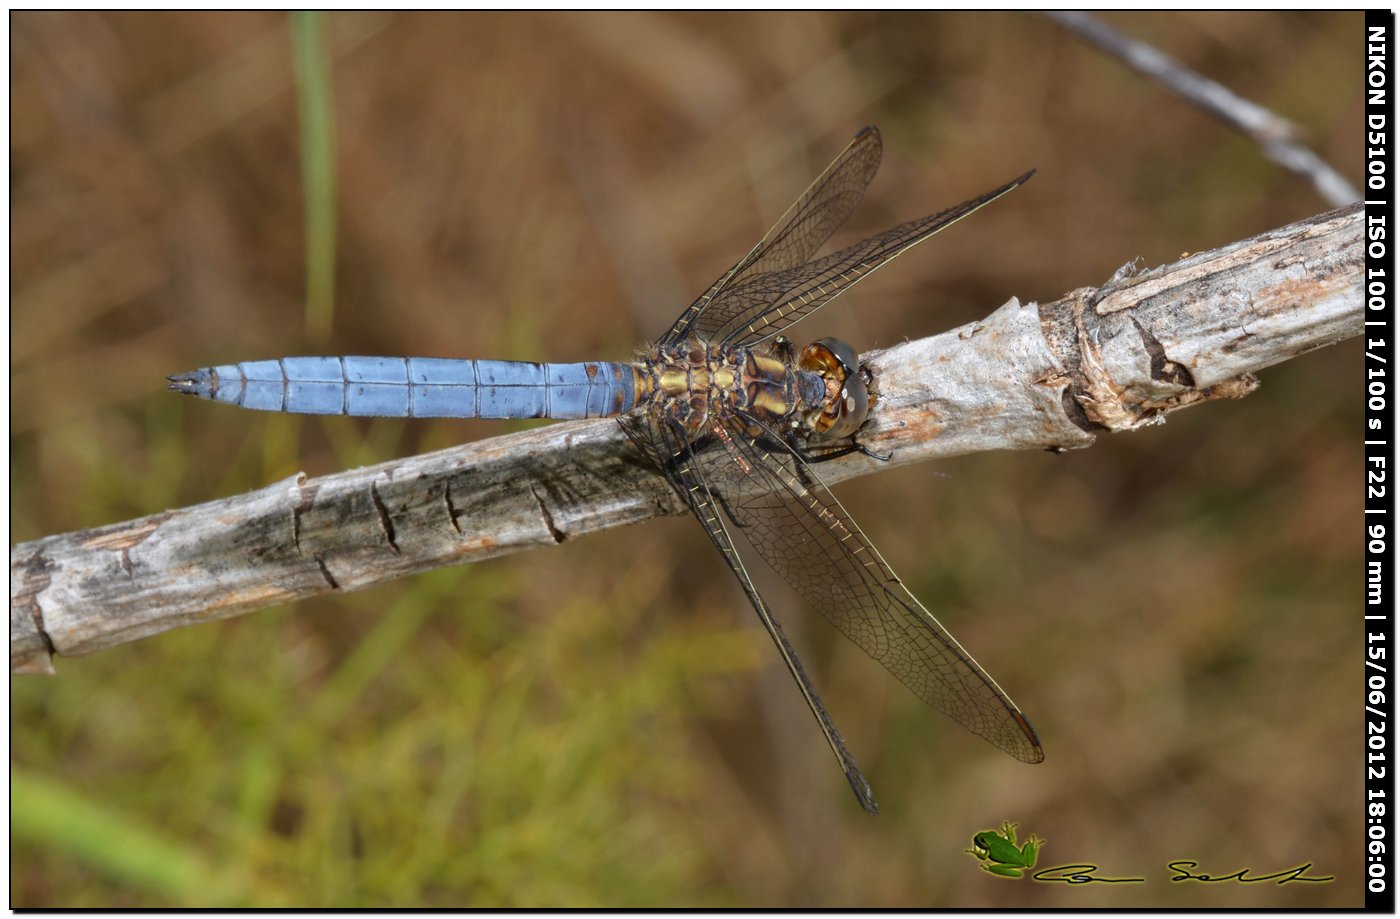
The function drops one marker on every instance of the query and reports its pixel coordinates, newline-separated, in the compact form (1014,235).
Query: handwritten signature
(1183,870)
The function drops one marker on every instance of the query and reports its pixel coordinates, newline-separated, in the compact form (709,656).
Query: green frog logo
(999,854)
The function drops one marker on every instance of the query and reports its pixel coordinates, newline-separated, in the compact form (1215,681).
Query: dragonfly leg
(862,448)
(882,457)
(809,456)
(824,452)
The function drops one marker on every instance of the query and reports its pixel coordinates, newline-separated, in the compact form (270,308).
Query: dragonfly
(735,417)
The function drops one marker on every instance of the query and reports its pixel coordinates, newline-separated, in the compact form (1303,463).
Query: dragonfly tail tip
(194,383)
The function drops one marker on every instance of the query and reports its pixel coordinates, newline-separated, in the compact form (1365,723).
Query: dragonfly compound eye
(854,405)
(848,399)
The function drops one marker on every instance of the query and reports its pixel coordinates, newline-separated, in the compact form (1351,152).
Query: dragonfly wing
(799,528)
(797,235)
(760,306)
(668,447)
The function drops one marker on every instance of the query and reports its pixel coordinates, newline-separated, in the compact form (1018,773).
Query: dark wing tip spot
(1037,753)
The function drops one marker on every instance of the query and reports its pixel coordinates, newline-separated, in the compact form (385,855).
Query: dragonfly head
(847,399)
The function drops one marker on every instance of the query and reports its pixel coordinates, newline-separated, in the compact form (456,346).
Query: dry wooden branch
(1276,136)
(1027,377)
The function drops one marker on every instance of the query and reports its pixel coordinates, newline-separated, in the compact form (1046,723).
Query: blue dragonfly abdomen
(418,387)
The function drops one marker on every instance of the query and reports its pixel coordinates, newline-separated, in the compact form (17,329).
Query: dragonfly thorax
(699,385)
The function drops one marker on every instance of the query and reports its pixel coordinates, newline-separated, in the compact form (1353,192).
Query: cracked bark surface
(1049,377)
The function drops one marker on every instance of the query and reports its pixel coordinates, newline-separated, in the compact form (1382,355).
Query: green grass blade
(58,819)
(316,108)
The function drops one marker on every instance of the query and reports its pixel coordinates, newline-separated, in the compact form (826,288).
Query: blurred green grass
(316,120)
(410,770)
(602,724)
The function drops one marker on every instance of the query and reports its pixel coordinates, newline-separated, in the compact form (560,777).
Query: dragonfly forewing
(797,235)
(761,306)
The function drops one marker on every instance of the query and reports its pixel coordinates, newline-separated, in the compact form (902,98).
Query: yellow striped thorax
(819,394)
